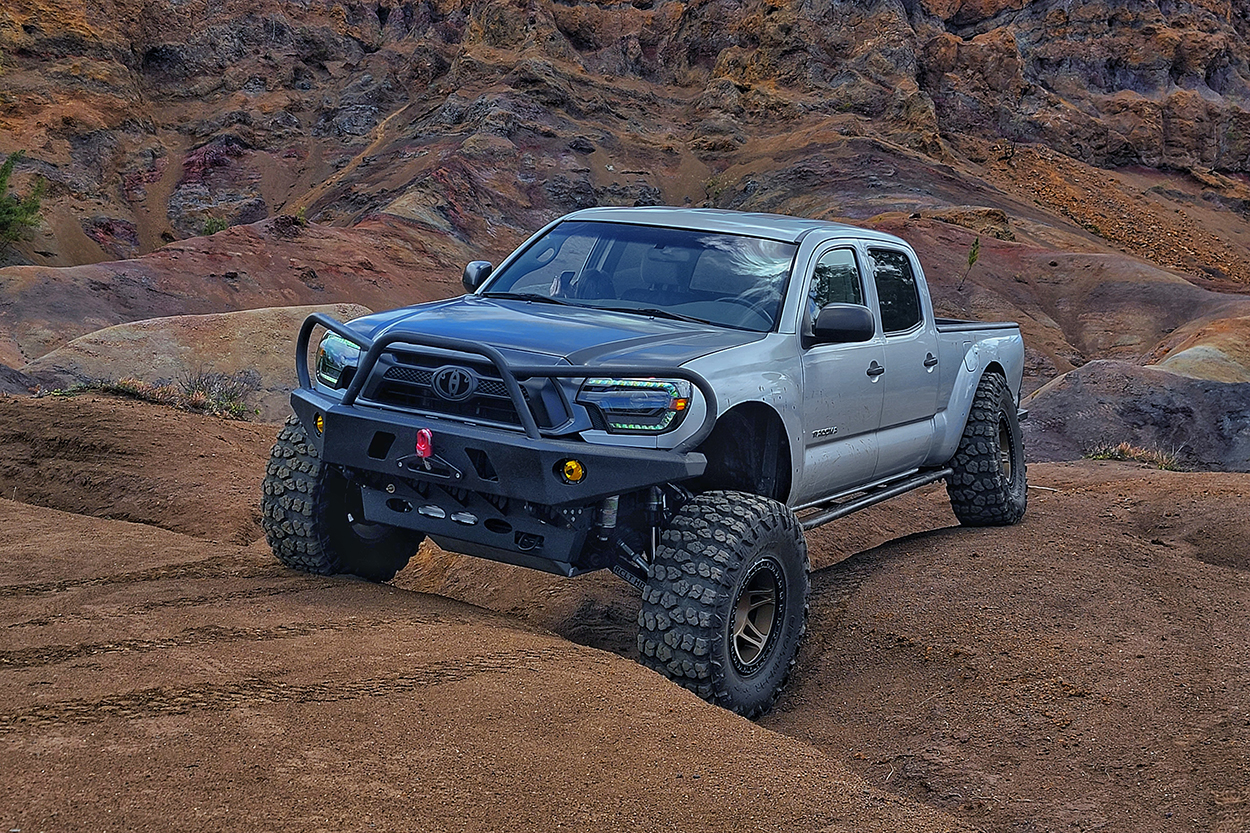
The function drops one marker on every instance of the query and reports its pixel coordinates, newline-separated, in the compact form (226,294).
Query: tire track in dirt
(207,635)
(159,604)
(210,634)
(303,584)
(158,702)
(833,586)
(218,566)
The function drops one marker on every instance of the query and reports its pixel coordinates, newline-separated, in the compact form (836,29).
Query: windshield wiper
(529,296)
(660,313)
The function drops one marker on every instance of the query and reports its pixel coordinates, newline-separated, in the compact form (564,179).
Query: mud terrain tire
(306,515)
(988,486)
(726,606)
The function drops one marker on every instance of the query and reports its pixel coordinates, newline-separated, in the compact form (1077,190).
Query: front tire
(311,515)
(726,606)
(988,486)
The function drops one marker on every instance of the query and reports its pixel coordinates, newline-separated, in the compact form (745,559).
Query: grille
(409,384)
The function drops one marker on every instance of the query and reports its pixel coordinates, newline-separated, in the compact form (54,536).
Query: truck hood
(558,333)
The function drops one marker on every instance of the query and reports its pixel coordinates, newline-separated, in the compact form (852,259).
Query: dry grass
(1166,460)
(216,394)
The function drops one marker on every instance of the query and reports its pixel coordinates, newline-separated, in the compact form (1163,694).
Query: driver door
(842,390)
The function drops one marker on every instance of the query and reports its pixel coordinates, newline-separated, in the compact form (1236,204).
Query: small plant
(1166,460)
(220,394)
(715,186)
(215,224)
(17,214)
(974,254)
(301,217)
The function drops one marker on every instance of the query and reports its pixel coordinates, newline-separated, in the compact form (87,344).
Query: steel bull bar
(446,494)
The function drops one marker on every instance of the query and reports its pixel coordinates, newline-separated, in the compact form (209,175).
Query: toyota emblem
(454,383)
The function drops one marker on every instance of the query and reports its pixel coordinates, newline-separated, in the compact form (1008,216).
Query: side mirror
(843,324)
(475,274)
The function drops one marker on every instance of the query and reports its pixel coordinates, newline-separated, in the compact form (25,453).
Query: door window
(834,281)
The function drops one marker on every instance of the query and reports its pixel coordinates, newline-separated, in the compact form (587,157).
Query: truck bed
(945,325)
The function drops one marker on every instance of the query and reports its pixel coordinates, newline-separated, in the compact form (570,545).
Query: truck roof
(771,226)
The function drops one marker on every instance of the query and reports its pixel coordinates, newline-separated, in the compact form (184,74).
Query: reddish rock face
(154,120)
(1106,138)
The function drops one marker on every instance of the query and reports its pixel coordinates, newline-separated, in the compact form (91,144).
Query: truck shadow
(607,615)
(835,584)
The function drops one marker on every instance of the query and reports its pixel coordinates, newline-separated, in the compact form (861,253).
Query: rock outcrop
(1194,423)
(253,345)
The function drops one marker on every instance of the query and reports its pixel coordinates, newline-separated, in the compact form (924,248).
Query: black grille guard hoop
(374,348)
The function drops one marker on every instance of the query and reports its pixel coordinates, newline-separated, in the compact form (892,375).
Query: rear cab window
(897,292)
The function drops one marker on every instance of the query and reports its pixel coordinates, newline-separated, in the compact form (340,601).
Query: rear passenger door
(911,359)
(842,390)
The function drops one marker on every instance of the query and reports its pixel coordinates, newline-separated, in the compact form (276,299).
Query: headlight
(336,361)
(636,406)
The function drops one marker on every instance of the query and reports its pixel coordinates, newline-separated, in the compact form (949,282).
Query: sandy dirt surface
(159,670)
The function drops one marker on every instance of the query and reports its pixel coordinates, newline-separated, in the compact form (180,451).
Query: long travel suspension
(634,546)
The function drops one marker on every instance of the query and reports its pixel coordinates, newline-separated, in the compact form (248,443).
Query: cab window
(897,292)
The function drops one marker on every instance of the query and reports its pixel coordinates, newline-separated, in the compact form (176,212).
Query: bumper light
(637,406)
(571,471)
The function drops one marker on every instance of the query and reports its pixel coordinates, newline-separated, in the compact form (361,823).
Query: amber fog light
(571,471)
(319,422)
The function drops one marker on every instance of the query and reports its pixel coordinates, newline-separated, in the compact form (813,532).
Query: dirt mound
(260,343)
(379,264)
(134,461)
(1082,670)
(1054,674)
(14,381)
(1202,424)
(1218,350)
(165,684)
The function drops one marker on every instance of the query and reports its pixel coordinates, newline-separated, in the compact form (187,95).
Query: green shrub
(215,224)
(17,214)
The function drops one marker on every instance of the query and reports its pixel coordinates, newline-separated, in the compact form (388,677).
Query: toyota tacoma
(672,394)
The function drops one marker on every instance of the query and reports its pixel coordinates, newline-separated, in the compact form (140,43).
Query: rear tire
(988,486)
(726,606)
(310,511)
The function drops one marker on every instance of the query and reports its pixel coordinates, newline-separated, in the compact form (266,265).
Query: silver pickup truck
(671,394)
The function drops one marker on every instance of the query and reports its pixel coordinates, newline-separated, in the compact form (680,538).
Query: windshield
(722,279)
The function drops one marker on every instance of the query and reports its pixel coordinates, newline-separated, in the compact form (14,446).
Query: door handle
(875,370)
(930,360)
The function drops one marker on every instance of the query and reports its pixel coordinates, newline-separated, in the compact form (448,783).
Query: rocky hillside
(151,117)
(365,150)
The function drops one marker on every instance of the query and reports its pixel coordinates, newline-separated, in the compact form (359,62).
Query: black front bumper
(483,491)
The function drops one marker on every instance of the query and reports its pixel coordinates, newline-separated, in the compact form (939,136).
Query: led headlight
(336,361)
(636,406)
